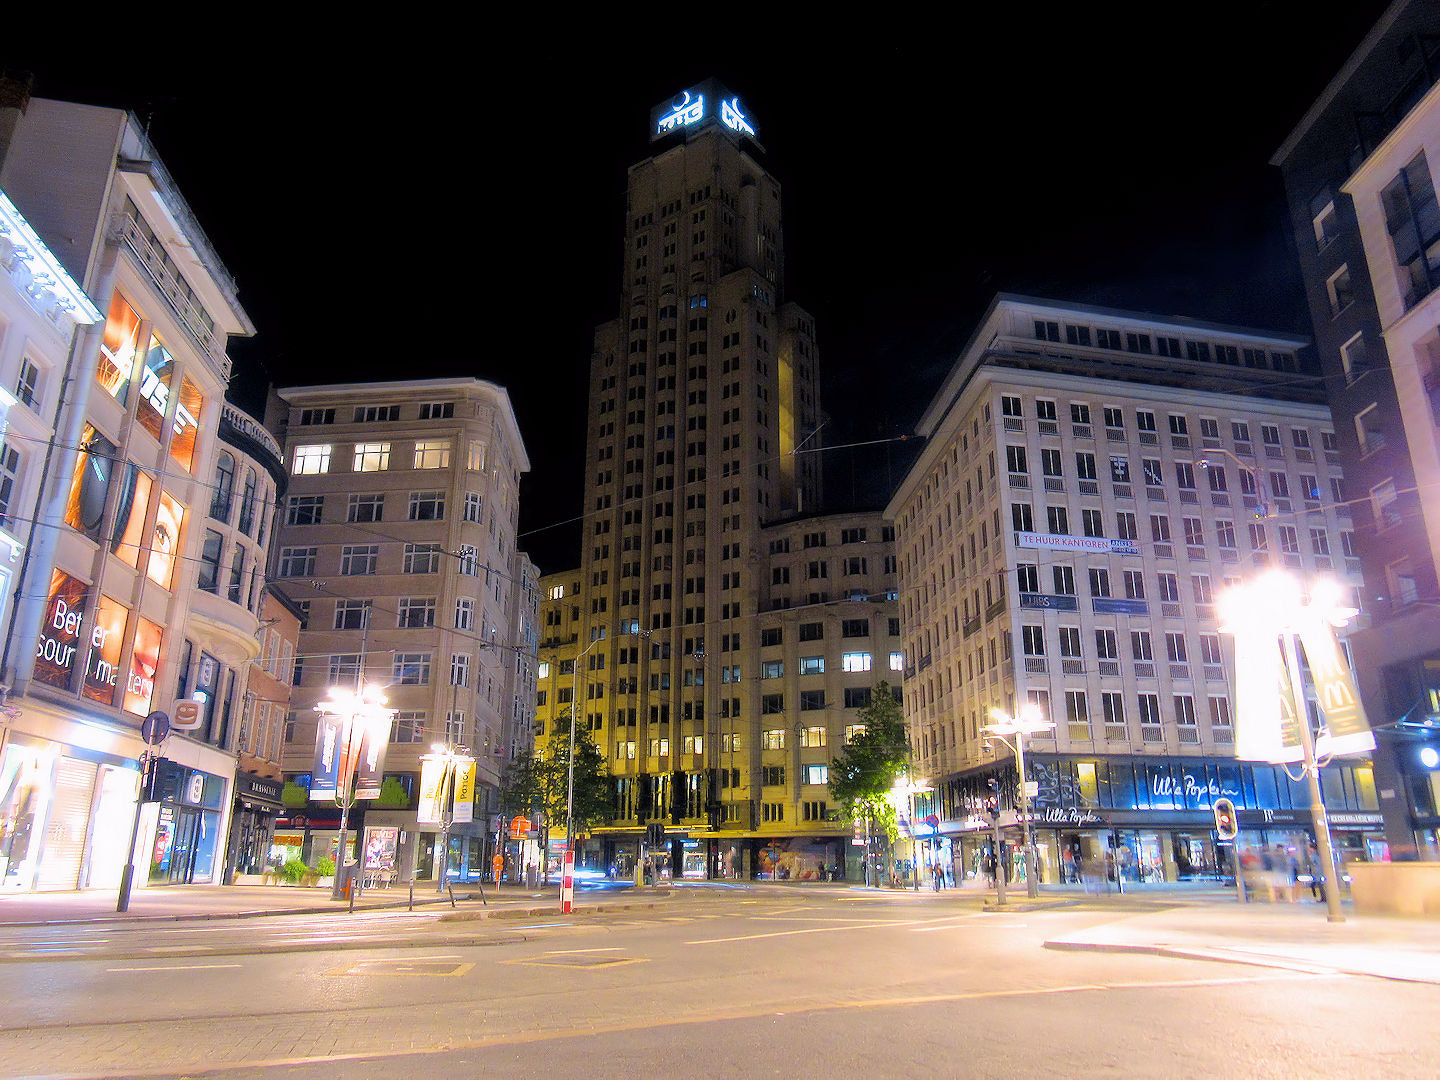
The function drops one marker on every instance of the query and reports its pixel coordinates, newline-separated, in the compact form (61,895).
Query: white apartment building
(1093,479)
(398,540)
(108,615)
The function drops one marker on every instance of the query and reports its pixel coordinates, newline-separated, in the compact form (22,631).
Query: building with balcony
(398,543)
(1359,171)
(106,627)
(1092,479)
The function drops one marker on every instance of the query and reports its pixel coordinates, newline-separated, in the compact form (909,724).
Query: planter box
(1395,888)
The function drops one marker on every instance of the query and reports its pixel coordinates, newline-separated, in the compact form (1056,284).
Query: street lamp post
(1275,601)
(570,758)
(363,720)
(452,762)
(1028,722)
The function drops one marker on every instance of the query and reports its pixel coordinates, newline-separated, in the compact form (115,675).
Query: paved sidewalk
(235,901)
(1293,936)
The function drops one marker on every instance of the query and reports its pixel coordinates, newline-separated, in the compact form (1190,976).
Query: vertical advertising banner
(187,419)
(165,541)
(144,662)
(370,772)
(1265,721)
(107,642)
(432,778)
(155,389)
(60,633)
(1347,730)
(117,350)
(464,792)
(129,538)
(326,770)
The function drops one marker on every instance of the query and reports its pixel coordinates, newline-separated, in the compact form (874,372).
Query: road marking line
(811,930)
(565,952)
(177,967)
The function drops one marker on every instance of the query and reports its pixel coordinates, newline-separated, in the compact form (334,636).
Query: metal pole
(127,877)
(1318,816)
(914,844)
(446,799)
(1032,885)
(999,863)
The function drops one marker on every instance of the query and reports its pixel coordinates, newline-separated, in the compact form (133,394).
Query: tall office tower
(398,539)
(1092,479)
(704,406)
(1360,173)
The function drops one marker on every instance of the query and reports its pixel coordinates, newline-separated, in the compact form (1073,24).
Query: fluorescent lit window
(308,460)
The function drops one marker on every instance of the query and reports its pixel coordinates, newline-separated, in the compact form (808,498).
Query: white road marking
(812,930)
(564,952)
(177,967)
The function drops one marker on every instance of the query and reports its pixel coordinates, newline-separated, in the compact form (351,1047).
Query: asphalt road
(727,984)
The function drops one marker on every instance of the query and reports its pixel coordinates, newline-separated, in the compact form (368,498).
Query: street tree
(536,784)
(865,772)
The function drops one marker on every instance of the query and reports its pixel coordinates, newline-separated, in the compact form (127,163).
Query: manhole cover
(435,968)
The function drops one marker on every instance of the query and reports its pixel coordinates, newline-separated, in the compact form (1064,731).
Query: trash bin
(349,879)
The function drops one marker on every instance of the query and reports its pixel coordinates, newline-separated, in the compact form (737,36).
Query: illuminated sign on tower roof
(699,107)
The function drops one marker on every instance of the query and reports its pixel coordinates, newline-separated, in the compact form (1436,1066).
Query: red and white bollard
(567,885)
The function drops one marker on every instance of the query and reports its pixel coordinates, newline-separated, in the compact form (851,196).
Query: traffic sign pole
(567,883)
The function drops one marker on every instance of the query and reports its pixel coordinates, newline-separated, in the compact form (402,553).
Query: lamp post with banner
(350,748)
(1271,716)
(447,797)
(1030,721)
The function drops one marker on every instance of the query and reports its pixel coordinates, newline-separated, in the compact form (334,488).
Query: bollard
(412,894)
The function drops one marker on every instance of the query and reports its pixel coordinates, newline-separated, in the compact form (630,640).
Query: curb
(1221,955)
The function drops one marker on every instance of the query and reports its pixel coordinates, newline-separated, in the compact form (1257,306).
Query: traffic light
(992,807)
(655,833)
(1226,826)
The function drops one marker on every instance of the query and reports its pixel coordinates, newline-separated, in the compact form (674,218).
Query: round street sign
(154,728)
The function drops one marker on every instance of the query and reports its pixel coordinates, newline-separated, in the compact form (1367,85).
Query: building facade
(1092,480)
(1359,172)
(398,543)
(711,613)
(112,588)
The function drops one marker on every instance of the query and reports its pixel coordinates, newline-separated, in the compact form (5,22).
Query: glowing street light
(364,726)
(1030,721)
(1274,605)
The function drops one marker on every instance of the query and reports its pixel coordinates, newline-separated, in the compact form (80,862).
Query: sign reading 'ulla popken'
(1094,545)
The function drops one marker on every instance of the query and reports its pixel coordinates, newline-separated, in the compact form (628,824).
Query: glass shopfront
(187,825)
(1147,821)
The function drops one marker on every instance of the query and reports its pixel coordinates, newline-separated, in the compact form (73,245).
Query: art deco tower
(701,391)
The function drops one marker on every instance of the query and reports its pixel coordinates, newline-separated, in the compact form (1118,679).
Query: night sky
(453,204)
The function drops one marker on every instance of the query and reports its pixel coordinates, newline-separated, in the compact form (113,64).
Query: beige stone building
(1092,480)
(398,541)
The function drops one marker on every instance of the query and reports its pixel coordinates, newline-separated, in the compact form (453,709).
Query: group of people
(1279,871)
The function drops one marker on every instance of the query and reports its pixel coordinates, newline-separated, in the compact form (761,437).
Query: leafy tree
(536,784)
(392,795)
(862,777)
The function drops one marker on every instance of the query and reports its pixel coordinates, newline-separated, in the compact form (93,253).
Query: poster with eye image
(107,641)
(165,541)
(60,633)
